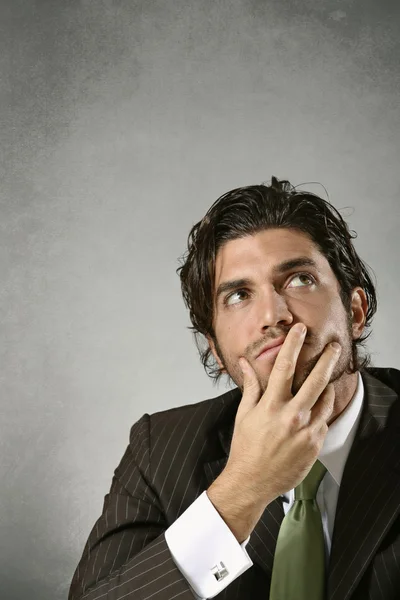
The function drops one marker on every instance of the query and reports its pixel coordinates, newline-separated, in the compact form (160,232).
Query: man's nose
(273,310)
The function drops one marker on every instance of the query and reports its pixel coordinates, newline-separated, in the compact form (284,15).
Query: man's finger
(322,410)
(318,379)
(281,378)
(251,389)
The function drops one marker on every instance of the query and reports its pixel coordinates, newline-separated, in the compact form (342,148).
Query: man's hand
(277,436)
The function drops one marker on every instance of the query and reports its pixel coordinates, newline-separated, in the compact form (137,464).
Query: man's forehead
(269,248)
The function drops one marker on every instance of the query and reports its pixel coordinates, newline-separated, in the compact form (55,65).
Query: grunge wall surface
(120,124)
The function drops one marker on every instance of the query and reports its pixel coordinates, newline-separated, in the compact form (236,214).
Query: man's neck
(345,388)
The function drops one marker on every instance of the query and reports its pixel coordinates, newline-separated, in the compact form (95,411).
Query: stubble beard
(303,371)
(341,367)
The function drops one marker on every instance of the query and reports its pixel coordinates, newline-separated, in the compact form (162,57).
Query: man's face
(271,298)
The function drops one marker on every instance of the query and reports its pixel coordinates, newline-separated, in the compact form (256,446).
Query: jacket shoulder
(387,375)
(203,415)
(192,429)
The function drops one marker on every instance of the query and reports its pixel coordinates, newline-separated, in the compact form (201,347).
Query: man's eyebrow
(293,263)
(287,265)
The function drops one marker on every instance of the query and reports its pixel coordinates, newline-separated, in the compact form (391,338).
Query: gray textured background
(121,122)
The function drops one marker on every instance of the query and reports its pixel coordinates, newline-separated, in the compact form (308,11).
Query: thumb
(251,388)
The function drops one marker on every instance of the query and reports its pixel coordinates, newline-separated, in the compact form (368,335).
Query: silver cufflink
(220,572)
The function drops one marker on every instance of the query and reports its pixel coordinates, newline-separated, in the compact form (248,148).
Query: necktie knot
(308,488)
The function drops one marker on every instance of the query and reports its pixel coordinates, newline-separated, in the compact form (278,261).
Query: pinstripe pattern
(174,455)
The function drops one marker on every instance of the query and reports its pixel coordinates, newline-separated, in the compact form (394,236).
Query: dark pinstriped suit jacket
(174,455)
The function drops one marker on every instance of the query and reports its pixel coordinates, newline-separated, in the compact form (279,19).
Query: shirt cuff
(205,550)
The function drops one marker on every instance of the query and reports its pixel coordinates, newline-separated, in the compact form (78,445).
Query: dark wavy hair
(248,210)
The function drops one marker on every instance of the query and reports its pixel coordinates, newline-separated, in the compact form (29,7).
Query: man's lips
(271,348)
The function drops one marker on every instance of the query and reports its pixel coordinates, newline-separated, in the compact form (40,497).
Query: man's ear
(215,353)
(359,308)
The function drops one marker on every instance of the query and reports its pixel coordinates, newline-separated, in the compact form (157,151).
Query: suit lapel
(369,496)
(261,546)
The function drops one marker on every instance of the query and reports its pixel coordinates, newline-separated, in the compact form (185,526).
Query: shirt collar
(341,433)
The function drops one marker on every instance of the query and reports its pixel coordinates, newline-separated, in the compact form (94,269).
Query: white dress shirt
(201,544)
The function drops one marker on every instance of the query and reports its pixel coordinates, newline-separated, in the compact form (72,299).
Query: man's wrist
(238,507)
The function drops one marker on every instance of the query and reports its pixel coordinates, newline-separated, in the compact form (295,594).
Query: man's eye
(302,276)
(229,300)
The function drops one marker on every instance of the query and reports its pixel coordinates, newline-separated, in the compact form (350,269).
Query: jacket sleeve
(126,555)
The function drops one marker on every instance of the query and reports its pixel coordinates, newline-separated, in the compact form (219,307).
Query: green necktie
(298,571)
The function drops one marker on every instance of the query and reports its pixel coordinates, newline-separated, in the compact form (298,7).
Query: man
(288,486)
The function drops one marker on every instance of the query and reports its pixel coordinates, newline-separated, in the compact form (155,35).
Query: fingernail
(299,328)
(337,347)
